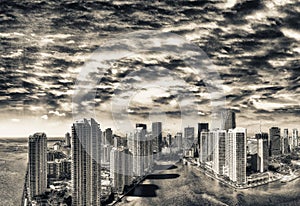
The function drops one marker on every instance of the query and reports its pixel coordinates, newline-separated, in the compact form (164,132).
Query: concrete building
(178,138)
(67,139)
(189,137)
(274,146)
(157,136)
(262,152)
(295,138)
(218,153)
(237,157)
(227,120)
(86,162)
(37,156)
(120,168)
(201,127)
(142,152)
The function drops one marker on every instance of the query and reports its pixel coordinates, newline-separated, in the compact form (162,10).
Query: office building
(295,138)
(67,139)
(237,157)
(203,156)
(120,168)
(201,127)
(189,136)
(86,159)
(107,137)
(274,146)
(262,152)
(37,156)
(178,138)
(227,120)
(142,152)
(157,136)
(218,154)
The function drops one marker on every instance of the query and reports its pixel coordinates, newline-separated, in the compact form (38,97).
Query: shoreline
(278,177)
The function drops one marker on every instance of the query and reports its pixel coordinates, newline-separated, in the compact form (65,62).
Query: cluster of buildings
(84,156)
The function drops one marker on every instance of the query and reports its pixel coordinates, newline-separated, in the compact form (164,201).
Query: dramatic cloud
(254,45)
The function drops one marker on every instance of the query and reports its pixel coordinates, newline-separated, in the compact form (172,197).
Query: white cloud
(57,113)
(44,117)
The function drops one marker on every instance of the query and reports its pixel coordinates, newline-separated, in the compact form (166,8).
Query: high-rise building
(189,136)
(86,159)
(227,120)
(295,138)
(201,127)
(67,139)
(237,157)
(203,156)
(262,152)
(120,168)
(157,136)
(218,164)
(178,138)
(141,151)
(285,142)
(37,156)
(274,141)
(108,137)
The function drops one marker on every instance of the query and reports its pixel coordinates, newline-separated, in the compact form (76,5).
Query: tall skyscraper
(262,152)
(86,159)
(157,136)
(37,156)
(203,156)
(120,168)
(218,153)
(67,139)
(189,136)
(201,127)
(295,138)
(237,159)
(228,120)
(108,137)
(274,141)
(141,164)
(285,142)
(178,138)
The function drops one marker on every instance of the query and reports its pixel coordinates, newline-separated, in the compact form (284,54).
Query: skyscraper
(227,120)
(203,156)
(237,160)
(285,142)
(86,159)
(295,138)
(108,137)
(262,152)
(120,168)
(218,153)
(178,138)
(67,139)
(157,136)
(201,127)
(139,152)
(274,141)
(189,136)
(37,156)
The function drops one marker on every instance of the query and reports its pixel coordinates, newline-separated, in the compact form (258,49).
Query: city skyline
(255,53)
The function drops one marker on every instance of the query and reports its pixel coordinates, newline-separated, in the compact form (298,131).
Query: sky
(124,62)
